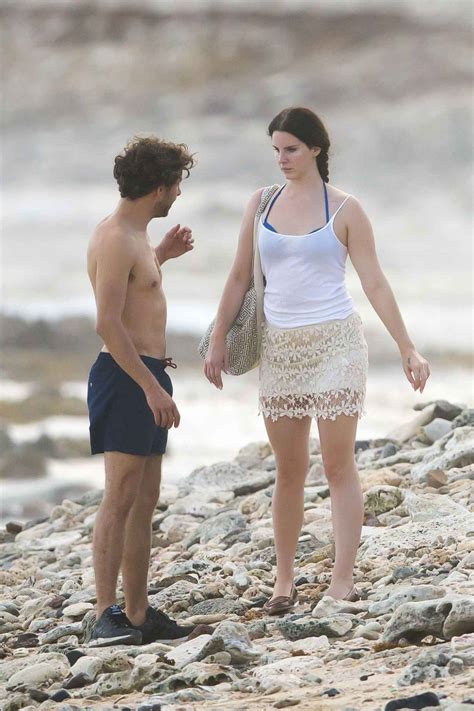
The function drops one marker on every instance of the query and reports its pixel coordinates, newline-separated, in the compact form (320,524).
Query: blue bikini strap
(278,193)
(326,202)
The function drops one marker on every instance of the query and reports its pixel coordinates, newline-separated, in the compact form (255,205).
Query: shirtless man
(129,392)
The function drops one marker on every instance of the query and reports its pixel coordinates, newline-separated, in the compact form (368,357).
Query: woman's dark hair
(305,125)
(147,163)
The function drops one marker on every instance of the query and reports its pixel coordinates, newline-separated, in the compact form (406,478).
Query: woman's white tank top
(304,275)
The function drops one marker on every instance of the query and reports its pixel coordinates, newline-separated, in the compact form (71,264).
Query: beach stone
(428,666)
(310,645)
(436,478)
(465,418)
(412,536)
(78,609)
(378,477)
(382,498)
(231,637)
(115,683)
(424,507)
(217,606)
(39,674)
(194,505)
(335,626)
(259,450)
(410,428)
(455,449)
(10,667)
(187,651)
(194,674)
(328,606)
(51,542)
(445,618)
(224,524)
(231,477)
(412,593)
(177,527)
(292,665)
(436,429)
(88,665)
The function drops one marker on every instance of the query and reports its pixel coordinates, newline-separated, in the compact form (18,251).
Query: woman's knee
(337,469)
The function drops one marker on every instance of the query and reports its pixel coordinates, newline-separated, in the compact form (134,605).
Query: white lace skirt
(318,370)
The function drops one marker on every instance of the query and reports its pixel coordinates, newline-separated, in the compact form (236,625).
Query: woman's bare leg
(337,438)
(289,438)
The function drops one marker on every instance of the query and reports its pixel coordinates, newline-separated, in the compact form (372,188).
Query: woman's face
(294,158)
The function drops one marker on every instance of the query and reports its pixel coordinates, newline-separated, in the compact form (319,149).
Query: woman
(314,354)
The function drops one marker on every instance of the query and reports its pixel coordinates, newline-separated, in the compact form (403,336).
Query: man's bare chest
(145,275)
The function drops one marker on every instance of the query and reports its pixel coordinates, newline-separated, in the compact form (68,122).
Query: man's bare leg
(137,546)
(123,474)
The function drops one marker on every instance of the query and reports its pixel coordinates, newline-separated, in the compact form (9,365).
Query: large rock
(409,537)
(451,616)
(382,498)
(230,477)
(406,593)
(39,675)
(225,523)
(455,449)
(334,626)
(231,637)
(409,429)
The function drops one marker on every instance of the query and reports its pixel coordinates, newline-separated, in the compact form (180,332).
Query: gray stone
(225,523)
(451,615)
(398,596)
(382,498)
(436,429)
(334,626)
(455,449)
(231,637)
(194,674)
(40,674)
(218,605)
(9,667)
(409,429)
(230,477)
(466,417)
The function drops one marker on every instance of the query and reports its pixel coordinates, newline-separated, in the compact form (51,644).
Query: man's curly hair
(147,163)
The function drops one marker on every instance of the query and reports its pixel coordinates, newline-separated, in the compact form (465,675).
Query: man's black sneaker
(158,627)
(114,627)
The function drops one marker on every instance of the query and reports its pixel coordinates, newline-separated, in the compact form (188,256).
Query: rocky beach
(411,636)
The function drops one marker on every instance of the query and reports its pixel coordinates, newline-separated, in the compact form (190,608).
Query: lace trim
(316,371)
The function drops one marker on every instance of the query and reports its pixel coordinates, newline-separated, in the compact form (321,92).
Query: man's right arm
(115,259)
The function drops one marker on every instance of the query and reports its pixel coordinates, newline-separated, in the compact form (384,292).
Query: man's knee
(122,487)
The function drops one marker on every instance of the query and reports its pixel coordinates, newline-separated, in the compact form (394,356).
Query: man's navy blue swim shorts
(119,416)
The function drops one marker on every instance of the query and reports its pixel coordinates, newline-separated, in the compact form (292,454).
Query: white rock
(185,652)
(91,666)
(40,674)
(290,665)
(79,609)
(309,645)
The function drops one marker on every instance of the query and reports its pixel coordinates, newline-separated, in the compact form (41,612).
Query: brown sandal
(353,595)
(281,604)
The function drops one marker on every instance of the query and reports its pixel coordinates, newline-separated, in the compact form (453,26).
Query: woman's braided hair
(307,127)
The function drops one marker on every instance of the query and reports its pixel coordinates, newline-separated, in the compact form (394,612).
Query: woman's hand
(416,369)
(217,360)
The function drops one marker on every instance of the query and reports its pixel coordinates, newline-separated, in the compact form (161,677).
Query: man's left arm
(175,243)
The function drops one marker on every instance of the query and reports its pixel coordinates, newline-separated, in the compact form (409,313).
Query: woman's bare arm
(361,248)
(234,291)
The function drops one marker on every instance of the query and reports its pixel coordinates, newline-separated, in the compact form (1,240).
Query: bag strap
(267,194)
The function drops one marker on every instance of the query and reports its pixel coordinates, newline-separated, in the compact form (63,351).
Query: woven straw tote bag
(244,336)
